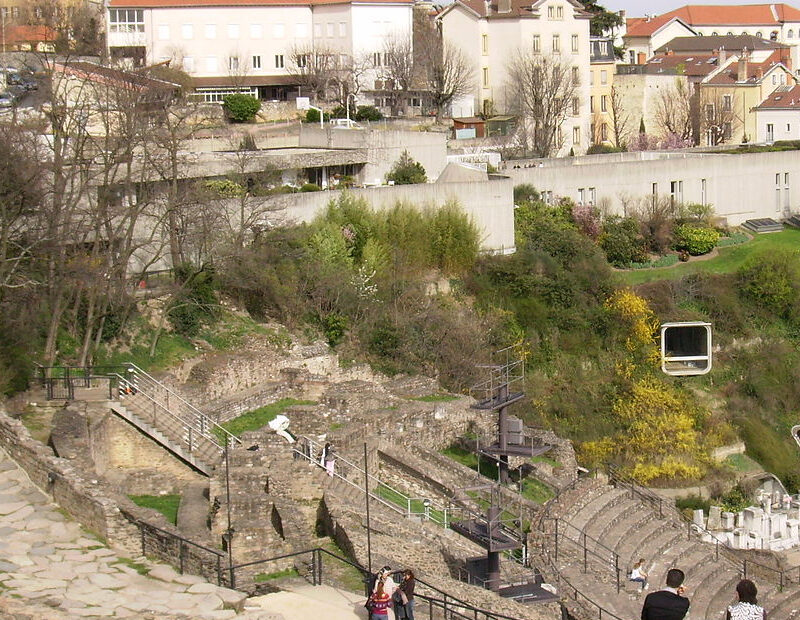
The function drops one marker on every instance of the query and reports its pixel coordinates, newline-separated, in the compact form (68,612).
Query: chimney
(503,6)
(621,14)
(760,73)
(640,58)
(670,52)
(488,4)
(741,73)
(723,56)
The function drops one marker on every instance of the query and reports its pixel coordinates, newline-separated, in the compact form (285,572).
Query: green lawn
(165,504)
(536,491)
(287,572)
(742,463)
(728,260)
(257,418)
(417,505)
(436,398)
(488,467)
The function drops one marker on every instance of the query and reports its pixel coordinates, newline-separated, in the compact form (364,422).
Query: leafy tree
(603,20)
(195,303)
(406,171)
(772,280)
(622,242)
(241,108)
(368,113)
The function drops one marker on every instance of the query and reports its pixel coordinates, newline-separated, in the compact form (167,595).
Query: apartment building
(601,82)
(491,32)
(247,45)
(778,116)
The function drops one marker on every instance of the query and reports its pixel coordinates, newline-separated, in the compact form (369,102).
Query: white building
(491,32)
(644,35)
(778,116)
(234,44)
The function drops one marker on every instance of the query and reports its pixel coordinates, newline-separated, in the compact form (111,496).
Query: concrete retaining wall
(739,187)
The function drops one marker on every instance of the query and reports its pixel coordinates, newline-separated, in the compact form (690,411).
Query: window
(559,12)
(126,20)
(727,131)
(604,103)
(788,128)
(256,62)
(632,54)
(211,64)
(551,12)
(604,132)
(188,64)
(278,30)
(302,61)
(581,195)
(710,112)
(576,135)
(592,195)
(591,78)
(727,102)
(773,36)
(786,204)
(485,44)
(604,77)
(537,44)
(342,29)
(233,63)
(387,57)
(604,48)
(729,33)
(163,33)
(485,73)
(329,29)
(556,44)
(576,76)
(774,79)
(317,30)
(576,106)
(256,31)
(233,31)
(574,43)
(759,35)
(376,59)
(210,31)
(676,191)
(715,34)
(301,31)
(790,34)
(703,197)
(770,132)
(655,190)
(187,31)
(591,104)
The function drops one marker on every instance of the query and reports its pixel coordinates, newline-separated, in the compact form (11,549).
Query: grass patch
(139,568)
(167,505)
(435,398)
(335,426)
(38,423)
(280,574)
(543,459)
(536,491)
(742,463)
(347,577)
(258,418)
(729,259)
(416,505)
(485,466)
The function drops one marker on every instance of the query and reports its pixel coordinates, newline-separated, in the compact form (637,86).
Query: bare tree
(718,116)
(396,67)
(620,119)
(541,89)
(673,114)
(448,73)
(315,68)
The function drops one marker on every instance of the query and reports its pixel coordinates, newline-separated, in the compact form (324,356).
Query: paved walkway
(51,568)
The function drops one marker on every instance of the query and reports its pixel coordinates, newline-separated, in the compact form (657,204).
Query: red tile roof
(692,65)
(518,8)
(29,34)
(646,26)
(755,72)
(168,4)
(783,98)
(736,15)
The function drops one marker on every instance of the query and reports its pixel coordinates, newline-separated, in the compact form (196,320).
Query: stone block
(714,518)
(727,521)
(697,518)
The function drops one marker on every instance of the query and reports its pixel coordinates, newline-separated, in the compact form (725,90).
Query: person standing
(638,574)
(380,603)
(329,459)
(669,603)
(389,586)
(407,588)
(747,608)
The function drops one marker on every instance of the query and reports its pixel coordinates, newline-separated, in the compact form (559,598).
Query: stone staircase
(617,521)
(169,419)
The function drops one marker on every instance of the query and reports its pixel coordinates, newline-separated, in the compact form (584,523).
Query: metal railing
(388,496)
(140,380)
(439,603)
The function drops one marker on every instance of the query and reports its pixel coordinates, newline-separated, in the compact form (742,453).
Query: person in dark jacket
(406,611)
(669,603)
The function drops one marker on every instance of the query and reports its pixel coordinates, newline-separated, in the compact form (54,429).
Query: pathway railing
(381,492)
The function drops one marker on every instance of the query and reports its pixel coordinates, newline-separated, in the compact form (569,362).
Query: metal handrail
(194,410)
(184,424)
(586,538)
(429,513)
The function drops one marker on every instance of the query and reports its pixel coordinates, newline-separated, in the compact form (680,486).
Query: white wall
(786,124)
(740,187)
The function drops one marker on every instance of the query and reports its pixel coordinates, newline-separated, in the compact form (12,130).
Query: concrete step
(712,596)
(595,508)
(654,532)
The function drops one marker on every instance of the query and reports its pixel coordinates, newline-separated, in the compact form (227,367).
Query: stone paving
(50,564)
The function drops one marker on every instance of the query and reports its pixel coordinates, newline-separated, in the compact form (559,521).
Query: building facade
(602,64)
(254,46)
(778,116)
(492,32)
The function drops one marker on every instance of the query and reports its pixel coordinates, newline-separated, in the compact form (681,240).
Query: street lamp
(427,503)
(347,104)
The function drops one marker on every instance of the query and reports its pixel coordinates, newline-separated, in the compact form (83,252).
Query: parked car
(344,123)
(23,80)
(6,100)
